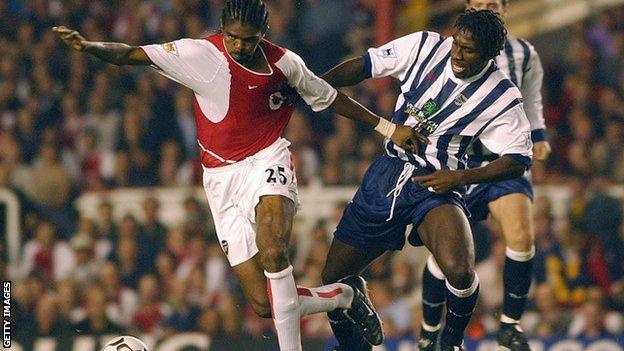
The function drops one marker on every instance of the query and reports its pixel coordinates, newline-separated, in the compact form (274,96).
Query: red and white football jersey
(238,112)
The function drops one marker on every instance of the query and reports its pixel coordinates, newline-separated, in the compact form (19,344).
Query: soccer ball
(125,343)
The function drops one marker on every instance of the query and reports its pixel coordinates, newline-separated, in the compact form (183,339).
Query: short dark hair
(487,29)
(505,2)
(252,12)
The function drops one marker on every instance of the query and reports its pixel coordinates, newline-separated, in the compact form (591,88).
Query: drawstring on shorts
(404,177)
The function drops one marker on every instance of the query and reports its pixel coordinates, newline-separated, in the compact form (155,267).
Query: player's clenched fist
(407,138)
(72,38)
(440,181)
(541,151)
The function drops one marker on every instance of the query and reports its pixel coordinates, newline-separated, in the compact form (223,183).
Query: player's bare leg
(282,299)
(446,233)
(344,260)
(251,278)
(274,217)
(513,212)
(326,298)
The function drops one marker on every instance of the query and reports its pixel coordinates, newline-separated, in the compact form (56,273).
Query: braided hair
(487,29)
(252,12)
(505,2)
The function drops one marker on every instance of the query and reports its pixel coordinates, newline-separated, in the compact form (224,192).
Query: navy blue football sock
(517,281)
(459,307)
(433,297)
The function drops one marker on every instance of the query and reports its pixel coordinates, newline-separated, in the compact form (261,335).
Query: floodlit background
(106,231)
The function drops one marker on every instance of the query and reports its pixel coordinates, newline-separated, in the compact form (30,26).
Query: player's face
(241,40)
(466,60)
(494,5)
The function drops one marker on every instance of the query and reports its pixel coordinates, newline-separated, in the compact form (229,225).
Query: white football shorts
(233,191)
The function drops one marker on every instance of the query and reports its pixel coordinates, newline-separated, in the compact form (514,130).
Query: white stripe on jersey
(450,111)
(514,59)
(521,63)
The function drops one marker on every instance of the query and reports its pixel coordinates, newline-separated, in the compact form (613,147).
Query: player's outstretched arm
(505,167)
(402,135)
(115,53)
(346,74)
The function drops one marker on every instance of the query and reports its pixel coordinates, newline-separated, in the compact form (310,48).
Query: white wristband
(385,127)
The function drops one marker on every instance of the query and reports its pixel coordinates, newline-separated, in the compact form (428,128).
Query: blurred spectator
(47,255)
(48,323)
(52,188)
(19,174)
(151,311)
(607,154)
(153,231)
(185,122)
(590,322)
(125,256)
(121,300)
(391,308)
(548,318)
(305,157)
(605,246)
(105,224)
(86,266)
(68,303)
(185,314)
(96,321)
(172,169)
(490,280)
(102,246)
(197,217)
(102,120)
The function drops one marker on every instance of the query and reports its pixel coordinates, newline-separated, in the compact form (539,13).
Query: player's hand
(70,37)
(440,182)
(407,138)
(541,151)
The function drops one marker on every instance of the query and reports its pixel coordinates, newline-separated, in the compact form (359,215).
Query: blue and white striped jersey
(452,112)
(522,64)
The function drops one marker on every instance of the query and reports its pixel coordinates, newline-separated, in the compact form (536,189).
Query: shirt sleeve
(532,95)
(510,134)
(396,57)
(316,92)
(193,63)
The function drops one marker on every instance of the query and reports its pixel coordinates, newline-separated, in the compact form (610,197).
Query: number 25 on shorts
(276,174)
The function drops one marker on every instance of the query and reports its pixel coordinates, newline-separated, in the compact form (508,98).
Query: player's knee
(521,240)
(458,273)
(461,278)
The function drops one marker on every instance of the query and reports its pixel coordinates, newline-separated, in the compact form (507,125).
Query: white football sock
(324,299)
(285,306)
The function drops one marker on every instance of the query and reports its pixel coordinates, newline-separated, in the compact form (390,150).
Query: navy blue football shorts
(480,195)
(371,221)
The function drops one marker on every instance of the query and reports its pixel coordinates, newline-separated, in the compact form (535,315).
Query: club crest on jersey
(430,107)
(460,100)
(171,48)
(276,100)
(386,53)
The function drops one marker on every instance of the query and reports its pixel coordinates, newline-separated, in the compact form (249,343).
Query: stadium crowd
(70,125)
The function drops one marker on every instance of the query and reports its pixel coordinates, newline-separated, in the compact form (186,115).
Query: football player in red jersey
(237,78)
